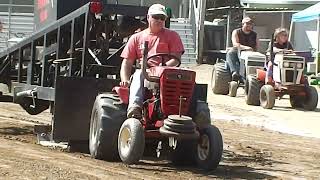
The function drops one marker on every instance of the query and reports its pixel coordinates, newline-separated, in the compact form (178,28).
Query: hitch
(27,93)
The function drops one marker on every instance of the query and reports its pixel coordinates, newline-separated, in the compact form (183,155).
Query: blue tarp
(309,14)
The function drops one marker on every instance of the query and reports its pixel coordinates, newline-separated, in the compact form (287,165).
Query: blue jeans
(136,89)
(232,60)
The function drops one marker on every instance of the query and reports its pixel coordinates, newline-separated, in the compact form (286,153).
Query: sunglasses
(249,23)
(159,16)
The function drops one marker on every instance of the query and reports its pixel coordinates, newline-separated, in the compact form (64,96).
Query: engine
(288,69)
(176,85)
(250,61)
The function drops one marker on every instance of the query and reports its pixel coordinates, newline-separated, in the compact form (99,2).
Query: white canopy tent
(305,30)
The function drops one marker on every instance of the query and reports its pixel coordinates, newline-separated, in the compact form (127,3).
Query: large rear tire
(202,116)
(209,148)
(107,116)
(311,100)
(296,101)
(220,79)
(252,90)
(131,141)
(267,96)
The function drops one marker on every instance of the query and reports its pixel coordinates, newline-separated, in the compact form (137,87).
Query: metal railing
(196,16)
(16,25)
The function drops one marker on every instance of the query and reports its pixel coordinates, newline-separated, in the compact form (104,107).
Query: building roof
(279,1)
(290,4)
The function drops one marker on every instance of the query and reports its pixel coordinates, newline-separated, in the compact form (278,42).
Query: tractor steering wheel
(162,55)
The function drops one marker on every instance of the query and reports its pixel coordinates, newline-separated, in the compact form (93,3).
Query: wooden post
(228,29)
(318,46)
(202,14)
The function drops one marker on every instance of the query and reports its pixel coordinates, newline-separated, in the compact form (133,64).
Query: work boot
(135,111)
(235,76)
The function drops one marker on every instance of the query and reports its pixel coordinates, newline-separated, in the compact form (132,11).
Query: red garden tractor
(176,119)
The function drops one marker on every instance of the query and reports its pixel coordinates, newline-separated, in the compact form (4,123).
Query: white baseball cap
(157,9)
(247,20)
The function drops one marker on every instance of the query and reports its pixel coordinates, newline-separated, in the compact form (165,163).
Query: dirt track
(249,152)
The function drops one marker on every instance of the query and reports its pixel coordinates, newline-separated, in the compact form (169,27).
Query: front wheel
(233,87)
(267,97)
(209,148)
(131,141)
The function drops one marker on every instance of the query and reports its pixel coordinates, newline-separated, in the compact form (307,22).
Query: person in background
(280,43)
(161,40)
(169,14)
(243,38)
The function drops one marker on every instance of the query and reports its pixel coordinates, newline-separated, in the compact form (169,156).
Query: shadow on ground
(233,166)
(26,130)
(282,108)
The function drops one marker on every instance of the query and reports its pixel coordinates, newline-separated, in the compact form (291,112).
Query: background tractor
(288,79)
(221,81)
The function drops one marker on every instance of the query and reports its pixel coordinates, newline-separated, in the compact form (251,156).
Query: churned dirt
(250,152)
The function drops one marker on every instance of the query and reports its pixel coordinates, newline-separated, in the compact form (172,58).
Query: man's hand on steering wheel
(168,59)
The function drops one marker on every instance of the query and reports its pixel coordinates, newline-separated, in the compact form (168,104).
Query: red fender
(261,75)
(123,93)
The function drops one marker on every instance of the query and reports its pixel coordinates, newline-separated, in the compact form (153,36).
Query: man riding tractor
(241,60)
(166,109)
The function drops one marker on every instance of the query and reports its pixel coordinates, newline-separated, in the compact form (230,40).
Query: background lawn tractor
(176,119)
(289,80)
(221,81)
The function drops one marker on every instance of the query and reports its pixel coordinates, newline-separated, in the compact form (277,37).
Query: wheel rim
(203,147)
(125,140)
(263,97)
(94,128)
